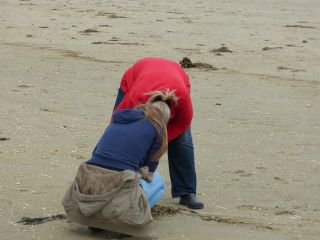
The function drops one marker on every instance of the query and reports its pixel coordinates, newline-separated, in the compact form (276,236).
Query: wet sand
(256,124)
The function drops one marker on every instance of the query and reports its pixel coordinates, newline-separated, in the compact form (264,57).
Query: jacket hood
(124,116)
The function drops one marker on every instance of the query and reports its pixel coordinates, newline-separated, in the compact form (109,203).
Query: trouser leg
(181,165)
(119,98)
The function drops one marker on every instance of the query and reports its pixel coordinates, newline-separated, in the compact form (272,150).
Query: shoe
(191,201)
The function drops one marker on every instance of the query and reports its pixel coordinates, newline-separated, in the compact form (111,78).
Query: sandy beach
(256,96)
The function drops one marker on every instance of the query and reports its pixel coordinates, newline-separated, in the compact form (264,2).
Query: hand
(145,174)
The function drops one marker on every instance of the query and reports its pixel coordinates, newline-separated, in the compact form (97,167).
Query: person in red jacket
(152,74)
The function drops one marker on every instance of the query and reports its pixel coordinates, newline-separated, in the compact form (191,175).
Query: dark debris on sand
(89,30)
(2,139)
(221,49)
(187,63)
(298,26)
(160,211)
(40,220)
(270,48)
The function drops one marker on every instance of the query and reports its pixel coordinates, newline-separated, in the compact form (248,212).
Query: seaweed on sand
(39,220)
(187,63)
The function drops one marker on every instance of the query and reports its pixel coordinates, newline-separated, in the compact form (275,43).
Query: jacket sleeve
(152,164)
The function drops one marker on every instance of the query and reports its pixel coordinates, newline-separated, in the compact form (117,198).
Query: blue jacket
(129,142)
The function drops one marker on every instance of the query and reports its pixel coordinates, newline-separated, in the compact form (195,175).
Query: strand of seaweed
(40,220)
(161,211)
(158,211)
(229,220)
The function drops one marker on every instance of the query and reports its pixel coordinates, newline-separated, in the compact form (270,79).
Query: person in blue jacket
(119,183)
(135,140)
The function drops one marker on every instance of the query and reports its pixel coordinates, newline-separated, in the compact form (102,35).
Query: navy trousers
(181,160)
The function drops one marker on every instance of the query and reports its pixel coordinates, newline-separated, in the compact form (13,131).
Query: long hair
(157,111)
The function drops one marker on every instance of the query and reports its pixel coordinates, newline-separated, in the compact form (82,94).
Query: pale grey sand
(256,123)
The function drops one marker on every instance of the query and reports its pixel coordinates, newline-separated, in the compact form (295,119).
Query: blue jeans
(181,160)
(119,98)
(181,165)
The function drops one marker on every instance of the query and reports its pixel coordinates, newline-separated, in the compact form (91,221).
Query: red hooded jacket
(150,74)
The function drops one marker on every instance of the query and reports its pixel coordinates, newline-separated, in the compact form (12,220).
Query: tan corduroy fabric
(109,200)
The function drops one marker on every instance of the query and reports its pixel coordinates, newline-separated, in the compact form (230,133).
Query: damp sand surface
(256,105)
